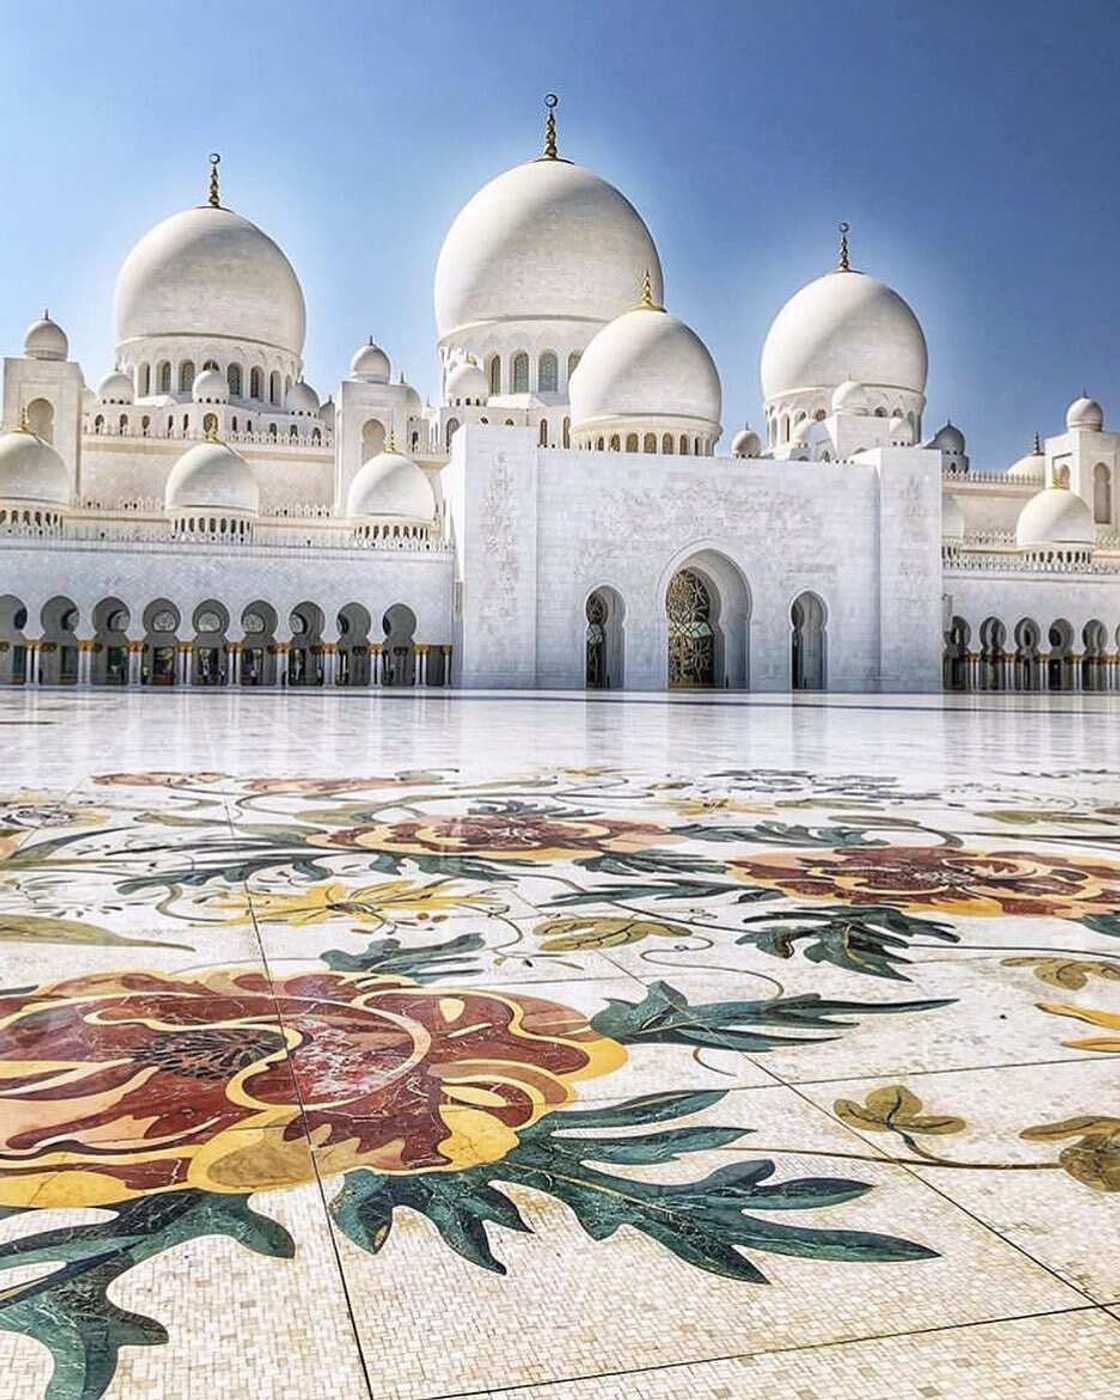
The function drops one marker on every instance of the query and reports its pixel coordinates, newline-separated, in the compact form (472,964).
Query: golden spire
(646,301)
(550,152)
(214,200)
(844,265)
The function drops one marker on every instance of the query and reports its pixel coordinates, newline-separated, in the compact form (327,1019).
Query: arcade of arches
(1028,655)
(161,646)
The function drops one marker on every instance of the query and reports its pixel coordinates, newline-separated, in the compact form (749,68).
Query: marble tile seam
(1099,1309)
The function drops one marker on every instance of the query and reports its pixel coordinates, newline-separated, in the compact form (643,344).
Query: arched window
(520,373)
(548,373)
(210,423)
(99,424)
(122,424)
(256,383)
(144,380)
(233,379)
(274,386)
(494,374)
(293,432)
(272,430)
(1102,494)
(567,437)
(573,363)
(316,437)
(165,377)
(615,443)
(145,425)
(542,434)
(186,376)
(667,443)
(631,442)
(684,446)
(40,418)
(649,442)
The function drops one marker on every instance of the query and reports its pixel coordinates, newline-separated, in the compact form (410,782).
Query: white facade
(561,517)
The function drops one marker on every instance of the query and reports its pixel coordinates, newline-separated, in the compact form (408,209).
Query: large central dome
(209,272)
(547,240)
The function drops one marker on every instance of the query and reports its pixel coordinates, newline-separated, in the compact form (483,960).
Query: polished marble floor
(422,1045)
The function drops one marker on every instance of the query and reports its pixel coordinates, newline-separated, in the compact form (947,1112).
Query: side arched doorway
(604,647)
(692,643)
(398,651)
(808,659)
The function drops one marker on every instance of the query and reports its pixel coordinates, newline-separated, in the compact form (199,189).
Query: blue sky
(971,146)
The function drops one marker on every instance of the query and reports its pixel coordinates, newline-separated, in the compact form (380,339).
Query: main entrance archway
(692,646)
(707,614)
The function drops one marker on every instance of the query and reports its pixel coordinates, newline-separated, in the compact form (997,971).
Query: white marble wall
(537,531)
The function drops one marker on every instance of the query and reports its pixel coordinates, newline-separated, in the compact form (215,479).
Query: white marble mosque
(562,517)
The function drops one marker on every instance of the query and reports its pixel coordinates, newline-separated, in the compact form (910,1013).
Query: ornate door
(692,652)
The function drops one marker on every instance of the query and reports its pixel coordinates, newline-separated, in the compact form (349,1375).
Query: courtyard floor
(423,1045)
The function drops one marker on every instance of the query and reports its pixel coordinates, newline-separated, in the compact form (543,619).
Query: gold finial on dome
(550,151)
(214,200)
(844,265)
(646,301)
(1037,445)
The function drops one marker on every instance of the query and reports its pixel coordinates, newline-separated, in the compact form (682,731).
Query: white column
(328,663)
(281,664)
(446,666)
(1044,670)
(375,663)
(32,673)
(135,654)
(233,664)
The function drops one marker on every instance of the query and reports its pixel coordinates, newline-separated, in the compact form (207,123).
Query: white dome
(326,413)
(411,396)
(1085,413)
(1032,465)
(850,397)
(210,387)
(370,363)
(952,519)
(948,439)
(1055,516)
(466,381)
(208,271)
(545,240)
(303,399)
(391,484)
(844,325)
(212,476)
(646,364)
(746,443)
(45,340)
(115,388)
(32,471)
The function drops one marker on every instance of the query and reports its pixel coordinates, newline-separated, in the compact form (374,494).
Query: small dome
(1055,516)
(370,363)
(844,325)
(467,383)
(115,388)
(1085,413)
(31,470)
(45,340)
(952,519)
(89,399)
(948,439)
(391,484)
(326,414)
(212,476)
(902,434)
(746,443)
(646,364)
(210,387)
(850,397)
(209,272)
(303,399)
(1031,466)
(411,396)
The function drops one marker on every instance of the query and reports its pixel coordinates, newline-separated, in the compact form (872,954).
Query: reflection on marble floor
(458,1045)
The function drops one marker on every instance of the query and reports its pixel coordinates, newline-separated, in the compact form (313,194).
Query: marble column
(375,663)
(281,664)
(446,666)
(1044,670)
(135,656)
(233,665)
(85,662)
(420,671)
(329,656)
(1075,677)
(32,673)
